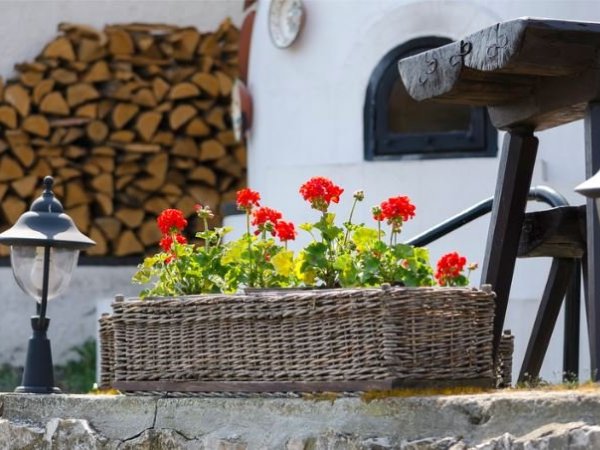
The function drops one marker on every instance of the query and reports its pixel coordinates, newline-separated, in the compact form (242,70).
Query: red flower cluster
(285,231)
(398,208)
(167,241)
(171,221)
(264,215)
(449,267)
(246,199)
(320,192)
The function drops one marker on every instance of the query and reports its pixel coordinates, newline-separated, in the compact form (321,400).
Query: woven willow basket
(334,340)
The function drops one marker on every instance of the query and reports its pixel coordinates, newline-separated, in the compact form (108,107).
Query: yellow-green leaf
(283,262)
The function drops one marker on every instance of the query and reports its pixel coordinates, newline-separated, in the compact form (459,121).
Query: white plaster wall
(308,120)
(25,27)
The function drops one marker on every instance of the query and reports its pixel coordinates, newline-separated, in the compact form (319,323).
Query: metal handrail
(544,194)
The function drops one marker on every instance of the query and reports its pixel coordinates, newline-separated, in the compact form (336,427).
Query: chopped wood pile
(129,120)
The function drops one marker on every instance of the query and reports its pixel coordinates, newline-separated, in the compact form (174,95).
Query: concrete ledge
(503,420)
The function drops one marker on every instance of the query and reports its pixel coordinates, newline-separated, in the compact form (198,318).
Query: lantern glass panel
(28,268)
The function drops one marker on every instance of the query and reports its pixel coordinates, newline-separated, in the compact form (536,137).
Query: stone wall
(499,421)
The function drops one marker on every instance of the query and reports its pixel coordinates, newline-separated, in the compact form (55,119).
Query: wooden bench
(532,75)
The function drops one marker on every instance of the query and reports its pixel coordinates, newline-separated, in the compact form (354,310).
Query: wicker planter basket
(322,340)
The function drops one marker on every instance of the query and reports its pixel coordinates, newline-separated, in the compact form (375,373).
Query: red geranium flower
(167,241)
(398,208)
(320,192)
(247,198)
(449,267)
(265,215)
(285,231)
(171,221)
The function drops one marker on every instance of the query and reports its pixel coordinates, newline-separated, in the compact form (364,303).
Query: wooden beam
(557,232)
(592,165)
(508,211)
(560,276)
(572,326)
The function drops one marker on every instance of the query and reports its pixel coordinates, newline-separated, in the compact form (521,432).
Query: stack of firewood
(129,120)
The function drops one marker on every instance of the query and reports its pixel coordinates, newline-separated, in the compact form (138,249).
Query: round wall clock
(286,18)
(241,110)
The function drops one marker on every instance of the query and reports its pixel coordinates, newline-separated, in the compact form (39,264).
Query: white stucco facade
(308,120)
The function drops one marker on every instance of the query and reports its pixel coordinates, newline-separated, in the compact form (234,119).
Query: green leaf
(283,262)
(365,238)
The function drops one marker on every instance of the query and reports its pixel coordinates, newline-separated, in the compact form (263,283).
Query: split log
(216,117)
(160,88)
(203,174)
(211,150)
(123,113)
(31,78)
(97,73)
(103,183)
(8,116)
(59,48)
(197,128)
(185,147)
(101,247)
(12,207)
(36,124)
(128,244)
(119,41)
(149,233)
(17,96)
(25,186)
(75,195)
(208,83)
(144,97)
(163,138)
(110,226)
(156,205)
(80,93)
(24,154)
(122,136)
(183,90)
(105,203)
(147,123)
(180,115)
(10,169)
(97,131)
(41,89)
(130,217)
(81,216)
(54,103)
(64,76)
(205,196)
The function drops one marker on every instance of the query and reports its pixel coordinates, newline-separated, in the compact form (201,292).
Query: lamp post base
(38,375)
(38,390)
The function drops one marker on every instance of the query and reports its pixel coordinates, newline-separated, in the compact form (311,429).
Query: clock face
(285,21)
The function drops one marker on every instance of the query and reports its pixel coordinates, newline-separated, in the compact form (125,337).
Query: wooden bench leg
(592,165)
(514,178)
(559,279)
(572,326)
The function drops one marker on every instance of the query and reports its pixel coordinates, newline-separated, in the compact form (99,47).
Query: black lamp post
(44,247)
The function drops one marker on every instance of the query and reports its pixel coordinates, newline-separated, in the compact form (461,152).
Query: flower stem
(205,229)
(250,256)
(349,221)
